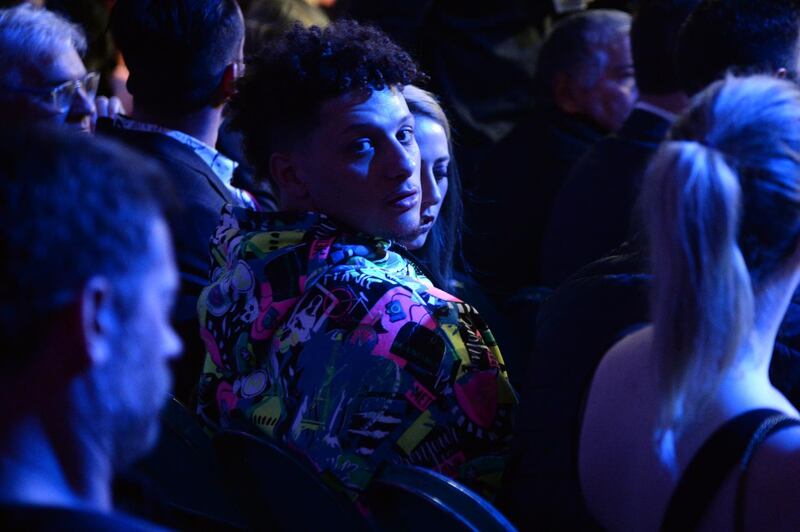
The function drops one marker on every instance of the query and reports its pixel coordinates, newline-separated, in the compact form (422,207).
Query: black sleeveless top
(731,446)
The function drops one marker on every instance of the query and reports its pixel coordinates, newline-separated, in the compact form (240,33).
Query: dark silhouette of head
(179,52)
(654,37)
(739,37)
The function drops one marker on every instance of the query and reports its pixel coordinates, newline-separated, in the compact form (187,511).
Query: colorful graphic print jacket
(340,348)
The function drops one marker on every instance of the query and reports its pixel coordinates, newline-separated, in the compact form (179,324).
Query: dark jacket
(506,217)
(592,213)
(200,197)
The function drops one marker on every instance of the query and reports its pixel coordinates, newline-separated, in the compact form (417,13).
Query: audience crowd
(490,265)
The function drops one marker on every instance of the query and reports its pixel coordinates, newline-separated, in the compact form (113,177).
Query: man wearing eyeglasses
(42,76)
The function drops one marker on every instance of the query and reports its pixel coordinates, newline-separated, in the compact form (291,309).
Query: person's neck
(747,381)
(771,302)
(672,102)
(53,464)
(293,204)
(202,124)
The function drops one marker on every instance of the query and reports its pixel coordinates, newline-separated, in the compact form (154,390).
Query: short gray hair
(28,33)
(577,47)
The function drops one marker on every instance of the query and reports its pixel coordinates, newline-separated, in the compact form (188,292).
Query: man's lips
(405,200)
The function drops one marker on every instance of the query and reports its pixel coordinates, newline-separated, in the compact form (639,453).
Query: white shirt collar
(669,116)
(222,166)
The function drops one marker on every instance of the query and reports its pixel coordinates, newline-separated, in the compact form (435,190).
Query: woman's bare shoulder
(772,485)
(628,357)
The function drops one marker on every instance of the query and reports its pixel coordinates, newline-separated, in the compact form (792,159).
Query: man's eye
(405,135)
(361,146)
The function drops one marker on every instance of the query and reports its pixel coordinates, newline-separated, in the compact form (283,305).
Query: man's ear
(227,86)
(284,172)
(564,94)
(98,320)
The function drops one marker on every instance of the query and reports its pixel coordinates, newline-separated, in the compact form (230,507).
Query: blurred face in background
(607,101)
(137,378)
(55,90)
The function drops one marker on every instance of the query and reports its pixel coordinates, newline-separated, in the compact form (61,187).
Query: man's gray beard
(133,433)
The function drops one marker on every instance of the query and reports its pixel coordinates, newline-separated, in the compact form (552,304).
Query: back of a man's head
(176,50)
(280,96)
(71,208)
(654,37)
(738,36)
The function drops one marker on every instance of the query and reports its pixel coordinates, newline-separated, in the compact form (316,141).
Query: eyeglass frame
(73,85)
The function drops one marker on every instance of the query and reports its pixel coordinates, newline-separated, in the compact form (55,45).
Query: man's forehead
(378,106)
(56,65)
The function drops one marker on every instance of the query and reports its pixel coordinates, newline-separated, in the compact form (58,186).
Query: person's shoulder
(145,141)
(250,235)
(632,345)
(158,145)
(600,160)
(637,339)
(626,361)
(771,483)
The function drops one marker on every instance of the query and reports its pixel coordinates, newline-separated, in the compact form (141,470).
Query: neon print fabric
(340,348)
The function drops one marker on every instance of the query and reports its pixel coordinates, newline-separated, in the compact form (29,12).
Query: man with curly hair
(321,331)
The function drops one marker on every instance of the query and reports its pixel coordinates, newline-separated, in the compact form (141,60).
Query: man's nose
(402,160)
(173,345)
(82,105)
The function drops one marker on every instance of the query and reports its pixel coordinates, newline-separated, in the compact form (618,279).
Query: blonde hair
(722,199)
(442,247)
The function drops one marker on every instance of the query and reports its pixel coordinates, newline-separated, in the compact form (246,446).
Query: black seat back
(277,490)
(405,497)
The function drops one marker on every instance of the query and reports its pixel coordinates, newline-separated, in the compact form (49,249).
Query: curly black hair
(279,98)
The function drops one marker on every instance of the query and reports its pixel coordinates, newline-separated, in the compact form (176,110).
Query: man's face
(39,77)
(609,101)
(360,165)
(139,376)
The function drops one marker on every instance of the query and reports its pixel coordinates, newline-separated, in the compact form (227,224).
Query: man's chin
(136,442)
(404,230)
(83,126)
(391,232)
